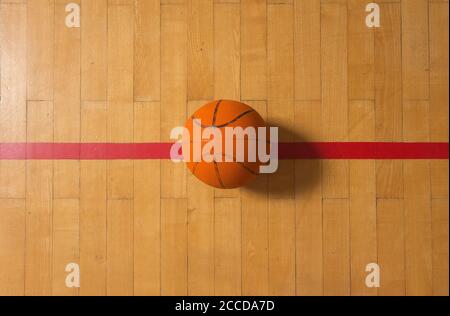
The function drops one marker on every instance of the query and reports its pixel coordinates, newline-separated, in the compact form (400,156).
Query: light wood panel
(12,242)
(280,112)
(94,61)
(173,92)
(363,216)
(361,53)
(13,83)
(174,271)
(120,173)
(13,93)
(415,59)
(93,192)
(200,42)
(307,43)
(147,51)
(200,232)
(334,94)
(40,51)
(255,252)
(39,201)
(228,246)
(147,207)
(254,50)
(308,203)
(336,247)
(391,246)
(438,124)
(388,98)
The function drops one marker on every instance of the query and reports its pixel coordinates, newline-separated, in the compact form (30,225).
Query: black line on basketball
(242,164)
(225,124)
(215,113)
(216,167)
(248,169)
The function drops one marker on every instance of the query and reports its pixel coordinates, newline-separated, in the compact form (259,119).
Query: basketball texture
(221,114)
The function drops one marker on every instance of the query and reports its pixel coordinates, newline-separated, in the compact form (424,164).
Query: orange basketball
(219,115)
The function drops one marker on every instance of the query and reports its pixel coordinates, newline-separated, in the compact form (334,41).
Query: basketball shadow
(293,177)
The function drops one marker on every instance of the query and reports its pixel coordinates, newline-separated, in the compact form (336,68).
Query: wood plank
(439,208)
(418,231)
(417,203)
(93,187)
(438,20)
(66,247)
(281,247)
(120,174)
(388,98)
(361,53)
(255,239)
(227,51)
(308,203)
(174,247)
(13,87)
(307,44)
(334,94)
(439,178)
(281,69)
(336,247)
(66,102)
(147,51)
(388,75)
(119,253)
(200,48)
(12,245)
(167,2)
(389,179)
(391,246)
(40,56)
(39,198)
(280,111)
(200,231)
(254,50)
(363,216)
(438,114)
(255,264)
(228,246)
(94,61)
(147,209)
(173,92)
(415,121)
(120,96)
(415,58)
(334,71)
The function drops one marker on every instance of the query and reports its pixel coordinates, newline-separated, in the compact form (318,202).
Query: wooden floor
(135,69)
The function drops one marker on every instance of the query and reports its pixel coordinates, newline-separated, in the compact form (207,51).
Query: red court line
(299,150)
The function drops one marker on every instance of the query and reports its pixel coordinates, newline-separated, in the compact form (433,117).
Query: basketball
(220,115)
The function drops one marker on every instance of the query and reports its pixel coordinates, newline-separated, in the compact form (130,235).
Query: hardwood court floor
(135,69)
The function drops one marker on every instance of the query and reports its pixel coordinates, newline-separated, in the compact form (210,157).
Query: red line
(303,150)
(364,150)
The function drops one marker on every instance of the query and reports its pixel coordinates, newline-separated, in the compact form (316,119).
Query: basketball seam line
(216,109)
(225,124)
(242,164)
(239,162)
(216,167)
